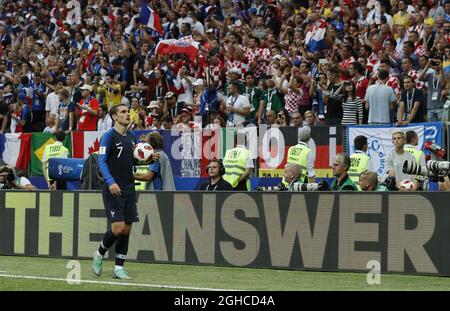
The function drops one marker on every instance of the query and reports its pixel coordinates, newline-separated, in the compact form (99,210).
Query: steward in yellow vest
(302,155)
(299,154)
(418,154)
(237,172)
(412,140)
(359,162)
(55,150)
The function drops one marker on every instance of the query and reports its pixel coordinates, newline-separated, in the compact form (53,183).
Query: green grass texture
(23,273)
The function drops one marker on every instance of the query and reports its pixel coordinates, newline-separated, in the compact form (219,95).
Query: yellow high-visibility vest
(235,162)
(142,169)
(299,154)
(358,164)
(55,150)
(416,153)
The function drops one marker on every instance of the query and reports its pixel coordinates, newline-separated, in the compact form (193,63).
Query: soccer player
(116,165)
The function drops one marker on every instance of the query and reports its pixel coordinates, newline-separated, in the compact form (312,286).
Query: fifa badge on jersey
(102,150)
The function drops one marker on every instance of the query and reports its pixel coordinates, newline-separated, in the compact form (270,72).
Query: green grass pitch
(32,273)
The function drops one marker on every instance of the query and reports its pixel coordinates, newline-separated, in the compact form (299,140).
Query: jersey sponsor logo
(118,144)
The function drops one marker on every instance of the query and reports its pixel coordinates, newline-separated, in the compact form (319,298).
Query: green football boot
(97,264)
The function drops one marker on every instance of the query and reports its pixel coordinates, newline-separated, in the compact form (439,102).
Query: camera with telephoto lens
(279,187)
(320,186)
(412,168)
(438,166)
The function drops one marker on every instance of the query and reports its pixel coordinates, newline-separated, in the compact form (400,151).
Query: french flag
(149,18)
(315,38)
(16,149)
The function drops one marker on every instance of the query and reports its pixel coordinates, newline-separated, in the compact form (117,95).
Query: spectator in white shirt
(52,101)
(237,105)
(104,122)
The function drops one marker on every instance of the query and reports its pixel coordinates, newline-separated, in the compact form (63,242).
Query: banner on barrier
(380,139)
(404,232)
(326,141)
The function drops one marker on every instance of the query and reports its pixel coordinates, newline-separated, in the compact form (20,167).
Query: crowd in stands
(64,64)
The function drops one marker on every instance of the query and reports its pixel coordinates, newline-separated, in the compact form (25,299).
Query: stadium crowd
(64,64)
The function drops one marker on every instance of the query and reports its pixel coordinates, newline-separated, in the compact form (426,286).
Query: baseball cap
(169,94)
(153,104)
(86,87)
(235,70)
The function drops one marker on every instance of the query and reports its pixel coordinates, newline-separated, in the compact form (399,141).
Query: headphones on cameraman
(221,167)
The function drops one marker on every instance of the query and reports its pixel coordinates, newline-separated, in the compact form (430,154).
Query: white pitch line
(2,271)
(115,283)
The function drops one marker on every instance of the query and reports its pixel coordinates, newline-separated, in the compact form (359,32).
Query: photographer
(341,165)
(8,179)
(368,181)
(292,173)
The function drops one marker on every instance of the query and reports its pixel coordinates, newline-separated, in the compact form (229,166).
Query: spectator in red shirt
(88,108)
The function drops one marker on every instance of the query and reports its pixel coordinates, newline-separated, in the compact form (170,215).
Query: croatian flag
(149,18)
(17,152)
(172,46)
(315,37)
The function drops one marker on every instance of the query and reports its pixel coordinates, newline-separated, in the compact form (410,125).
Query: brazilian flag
(38,143)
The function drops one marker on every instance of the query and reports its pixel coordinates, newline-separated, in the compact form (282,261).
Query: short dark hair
(383,75)
(221,166)
(407,77)
(249,73)
(410,135)
(60,135)
(410,43)
(115,108)
(235,84)
(367,48)
(360,141)
(116,61)
(155,140)
(358,67)
(104,108)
